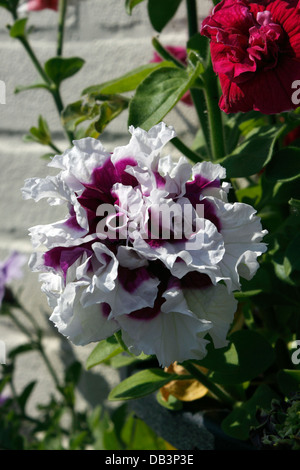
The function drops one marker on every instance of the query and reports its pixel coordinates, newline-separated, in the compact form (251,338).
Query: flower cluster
(255,52)
(119,262)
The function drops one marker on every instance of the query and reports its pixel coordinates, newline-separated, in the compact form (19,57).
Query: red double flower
(255,50)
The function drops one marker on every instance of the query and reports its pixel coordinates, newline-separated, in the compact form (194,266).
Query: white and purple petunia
(149,246)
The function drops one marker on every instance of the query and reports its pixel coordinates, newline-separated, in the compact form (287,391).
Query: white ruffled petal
(51,187)
(81,325)
(122,301)
(213,304)
(145,146)
(242,233)
(172,335)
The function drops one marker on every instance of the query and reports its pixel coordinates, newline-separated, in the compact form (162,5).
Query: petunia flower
(255,52)
(37,5)
(148,246)
(180,54)
(10,269)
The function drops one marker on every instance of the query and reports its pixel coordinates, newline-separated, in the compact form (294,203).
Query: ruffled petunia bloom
(180,54)
(10,269)
(255,50)
(149,246)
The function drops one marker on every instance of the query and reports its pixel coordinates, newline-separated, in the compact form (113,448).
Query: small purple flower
(10,269)
(2,400)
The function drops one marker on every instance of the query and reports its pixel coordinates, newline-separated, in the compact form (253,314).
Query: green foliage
(279,425)
(238,423)
(130,4)
(141,384)
(104,351)
(18,29)
(247,356)
(252,154)
(40,134)
(61,68)
(291,168)
(159,93)
(160,13)
(125,83)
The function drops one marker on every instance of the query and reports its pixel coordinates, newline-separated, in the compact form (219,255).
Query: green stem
(216,128)
(61,26)
(35,60)
(52,89)
(219,393)
(164,54)
(197,94)
(192,16)
(49,366)
(194,157)
(56,149)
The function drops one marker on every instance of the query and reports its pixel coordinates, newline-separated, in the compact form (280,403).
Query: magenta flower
(37,5)
(10,269)
(255,50)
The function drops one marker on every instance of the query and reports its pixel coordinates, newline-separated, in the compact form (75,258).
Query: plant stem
(56,149)
(219,393)
(52,89)
(186,150)
(61,26)
(192,16)
(164,54)
(49,366)
(34,59)
(197,94)
(216,128)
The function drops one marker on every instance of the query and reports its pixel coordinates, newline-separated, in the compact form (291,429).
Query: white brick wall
(112,43)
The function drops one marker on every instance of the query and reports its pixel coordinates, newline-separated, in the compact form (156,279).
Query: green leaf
(295,204)
(23,398)
(78,112)
(130,4)
(141,384)
(127,82)
(40,134)
(19,28)
(21,88)
(137,435)
(292,256)
(252,154)
(93,110)
(104,350)
(21,349)
(200,44)
(73,373)
(61,68)
(238,423)
(248,355)
(285,165)
(171,404)
(161,12)
(158,94)
(289,381)
(108,111)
